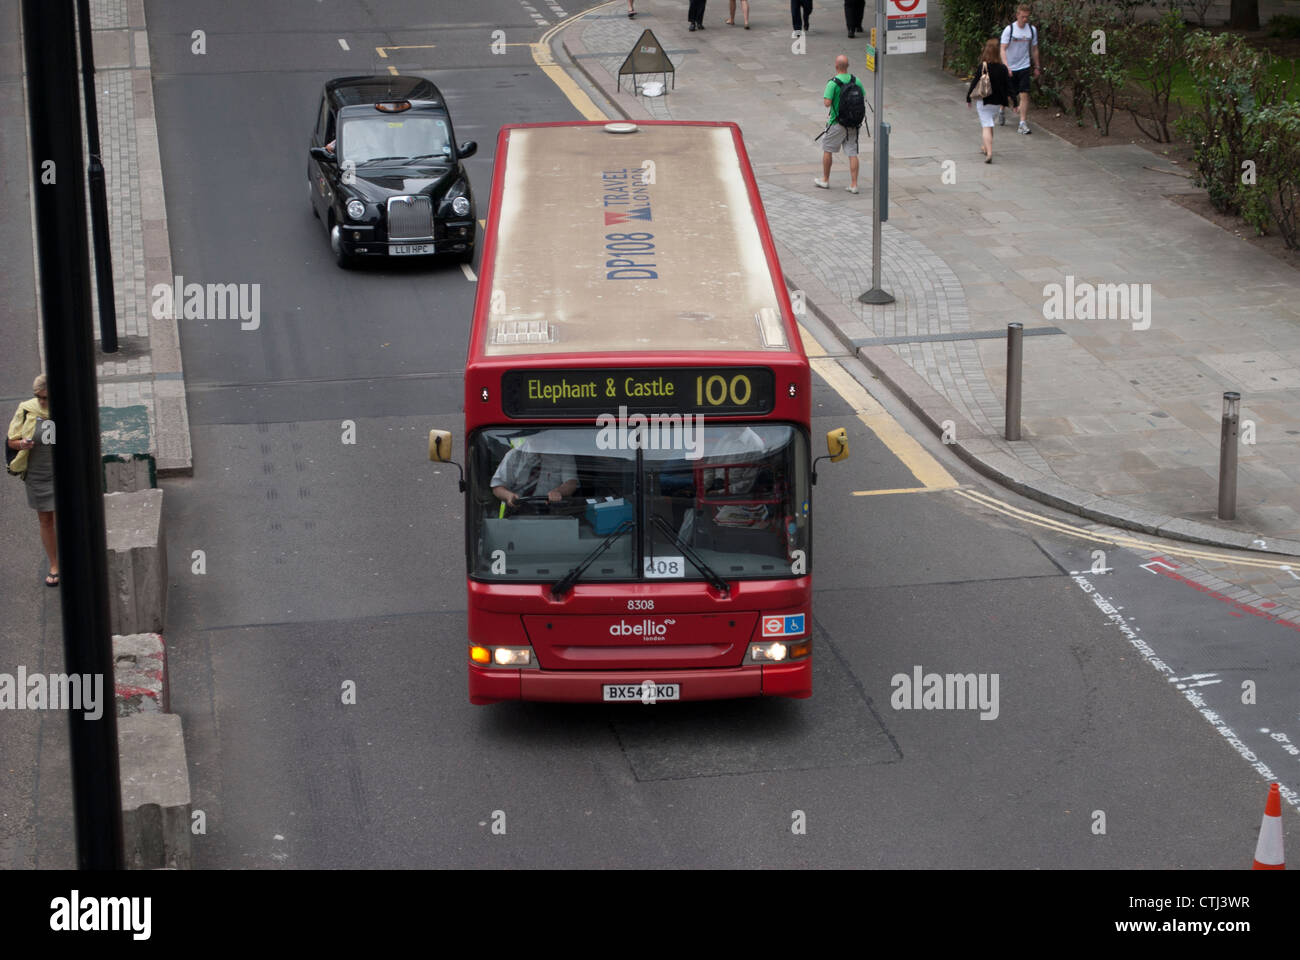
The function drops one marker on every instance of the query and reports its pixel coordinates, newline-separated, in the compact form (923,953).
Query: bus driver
(524,472)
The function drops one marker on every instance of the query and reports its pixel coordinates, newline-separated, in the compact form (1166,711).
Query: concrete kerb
(989,456)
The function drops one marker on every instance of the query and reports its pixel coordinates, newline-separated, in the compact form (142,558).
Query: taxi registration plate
(409,249)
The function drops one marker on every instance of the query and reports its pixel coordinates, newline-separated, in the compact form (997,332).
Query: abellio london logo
(645,629)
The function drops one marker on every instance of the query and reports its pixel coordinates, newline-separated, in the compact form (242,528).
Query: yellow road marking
(810,344)
(542,57)
(881,493)
(902,445)
(1116,539)
(413,46)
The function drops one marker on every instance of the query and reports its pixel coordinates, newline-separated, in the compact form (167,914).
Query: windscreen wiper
(378,159)
(566,582)
(709,573)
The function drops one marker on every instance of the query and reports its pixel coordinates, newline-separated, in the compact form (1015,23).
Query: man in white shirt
(1019,49)
(524,472)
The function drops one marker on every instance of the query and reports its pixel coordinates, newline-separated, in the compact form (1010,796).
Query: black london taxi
(385,171)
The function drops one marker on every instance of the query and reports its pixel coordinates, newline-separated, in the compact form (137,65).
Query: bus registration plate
(641,691)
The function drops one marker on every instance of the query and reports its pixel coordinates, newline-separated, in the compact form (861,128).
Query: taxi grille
(410,218)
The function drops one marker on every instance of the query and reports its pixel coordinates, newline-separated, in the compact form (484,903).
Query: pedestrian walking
(695,13)
(853,11)
(731,12)
(33,460)
(991,85)
(847,99)
(1019,49)
(631,9)
(800,11)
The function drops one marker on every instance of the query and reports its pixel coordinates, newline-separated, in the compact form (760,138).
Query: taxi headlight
(460,206)
(356,209)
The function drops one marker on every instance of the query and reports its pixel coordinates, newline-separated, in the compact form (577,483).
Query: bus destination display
(722,391)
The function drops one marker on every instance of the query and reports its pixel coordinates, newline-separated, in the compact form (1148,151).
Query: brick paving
(145,374)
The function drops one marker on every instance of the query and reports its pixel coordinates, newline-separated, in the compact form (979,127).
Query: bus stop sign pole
(877,294)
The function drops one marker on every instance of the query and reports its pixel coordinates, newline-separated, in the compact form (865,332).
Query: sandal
(52,580)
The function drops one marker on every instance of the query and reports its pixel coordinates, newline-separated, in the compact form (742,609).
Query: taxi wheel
(341,256)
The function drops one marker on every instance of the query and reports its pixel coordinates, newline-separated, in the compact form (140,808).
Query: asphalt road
(329,564)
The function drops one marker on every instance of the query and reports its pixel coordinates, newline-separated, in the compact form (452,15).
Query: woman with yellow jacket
(34,462)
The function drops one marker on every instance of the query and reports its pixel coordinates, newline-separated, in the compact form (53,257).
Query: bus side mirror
(837,449)
(837,444)
(440,446)
(440,452)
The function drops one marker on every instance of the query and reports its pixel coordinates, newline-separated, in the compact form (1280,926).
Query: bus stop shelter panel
(637,241)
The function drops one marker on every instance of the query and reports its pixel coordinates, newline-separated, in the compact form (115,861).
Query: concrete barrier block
(140,674)
(137,562)
(156,803)
(127,474)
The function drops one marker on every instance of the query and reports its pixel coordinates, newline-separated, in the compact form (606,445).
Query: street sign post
(878,295)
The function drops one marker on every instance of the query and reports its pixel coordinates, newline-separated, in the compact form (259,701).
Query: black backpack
(853,106)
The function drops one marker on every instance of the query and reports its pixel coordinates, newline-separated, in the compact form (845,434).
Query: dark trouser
(696,12)
(853,10)
(799,11)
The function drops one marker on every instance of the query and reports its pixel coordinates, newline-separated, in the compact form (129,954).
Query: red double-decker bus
(638,476)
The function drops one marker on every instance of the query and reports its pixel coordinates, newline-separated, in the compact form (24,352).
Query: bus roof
(647,240)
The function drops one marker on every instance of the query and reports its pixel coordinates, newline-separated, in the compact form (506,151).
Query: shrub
(1155,50)
(1284,25)
(1229,77)
(1273,139)
(967,24)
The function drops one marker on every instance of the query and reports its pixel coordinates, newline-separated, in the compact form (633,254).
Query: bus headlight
(775,651)
(512,656)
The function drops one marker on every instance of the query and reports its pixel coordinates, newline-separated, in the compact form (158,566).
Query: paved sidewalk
(142,385)
(1120,425)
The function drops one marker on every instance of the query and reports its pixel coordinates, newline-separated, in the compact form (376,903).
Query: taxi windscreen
(365,139)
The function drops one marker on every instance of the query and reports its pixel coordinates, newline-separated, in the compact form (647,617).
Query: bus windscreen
(688,503)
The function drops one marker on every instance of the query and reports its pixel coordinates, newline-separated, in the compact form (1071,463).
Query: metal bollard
(1228,456)
(1015,352)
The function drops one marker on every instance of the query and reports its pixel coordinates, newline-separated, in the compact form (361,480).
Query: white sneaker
(851,189)
(1024,128)
(821,183)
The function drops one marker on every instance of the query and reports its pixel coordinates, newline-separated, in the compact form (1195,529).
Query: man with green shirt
(838,134)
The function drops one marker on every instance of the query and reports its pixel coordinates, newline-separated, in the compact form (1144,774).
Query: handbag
(984,86)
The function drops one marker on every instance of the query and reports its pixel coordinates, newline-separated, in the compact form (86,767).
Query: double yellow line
(568,86)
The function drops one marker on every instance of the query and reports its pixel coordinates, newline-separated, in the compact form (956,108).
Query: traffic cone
(1268,852)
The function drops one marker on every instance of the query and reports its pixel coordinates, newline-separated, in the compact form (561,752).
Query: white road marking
(469,274)
(344,44)
(1287,568)
(1153,563)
